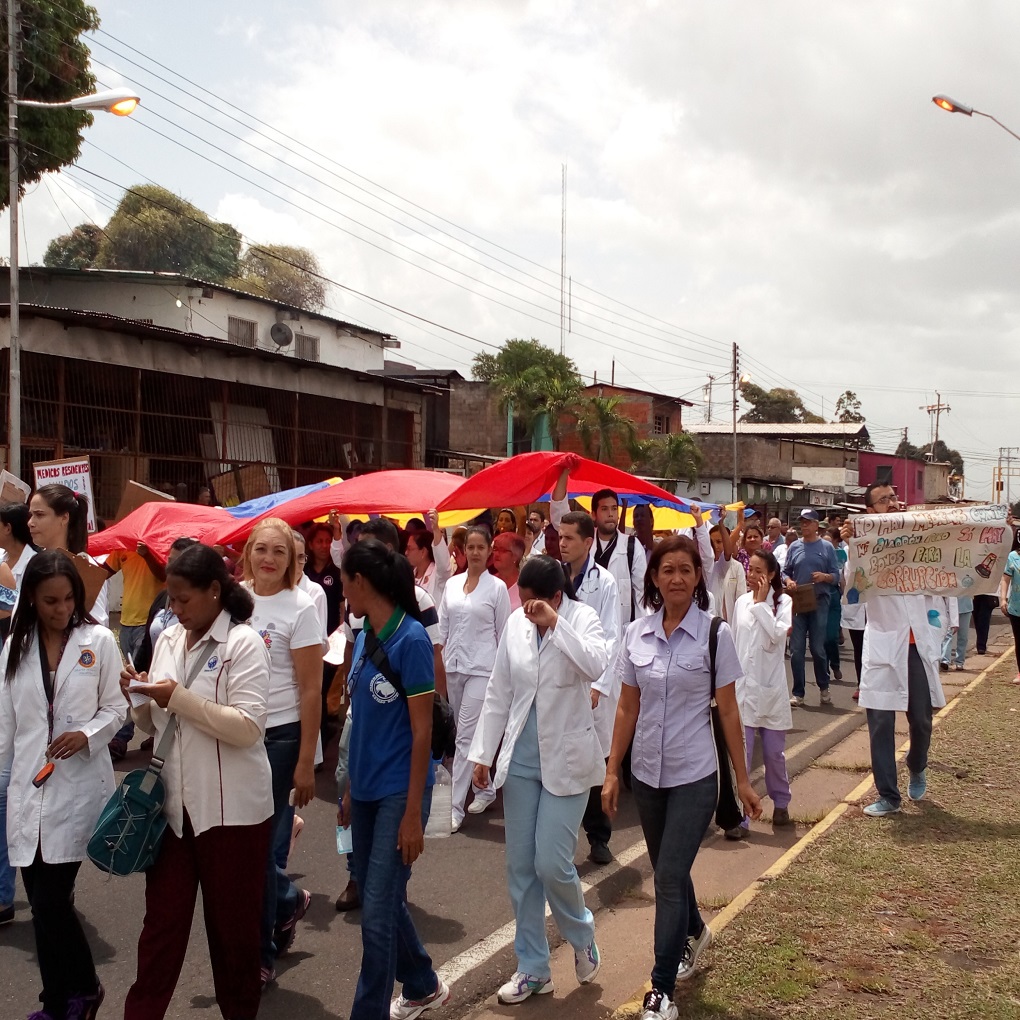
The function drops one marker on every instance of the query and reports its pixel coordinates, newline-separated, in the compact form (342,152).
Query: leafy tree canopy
(53,67)
(675,456)
(777,406)
(153,229)
(848,408)
(76,250)
(941,451)
(283,273)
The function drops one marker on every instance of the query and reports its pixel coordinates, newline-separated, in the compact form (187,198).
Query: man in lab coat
(899,673)
(596,587)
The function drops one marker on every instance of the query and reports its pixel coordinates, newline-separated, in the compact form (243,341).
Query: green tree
(941,452)
(53,67)
(532,379)
(154,229)
(283,273)
(76,250)
(776,406)
(675,456)
(848,408)
(601,428)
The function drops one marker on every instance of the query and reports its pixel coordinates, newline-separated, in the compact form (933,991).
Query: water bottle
(441,815)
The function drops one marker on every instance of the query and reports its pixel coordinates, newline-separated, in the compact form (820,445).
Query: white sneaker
(658,1006)
(693,949)
(522,986)
(587,964)
(456,823)
(480,804)
(408,1009)
(796,701)
(826,697)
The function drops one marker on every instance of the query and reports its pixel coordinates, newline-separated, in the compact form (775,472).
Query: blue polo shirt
(380,751)
(805,558)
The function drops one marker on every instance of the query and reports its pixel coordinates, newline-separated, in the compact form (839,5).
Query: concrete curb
(733,909)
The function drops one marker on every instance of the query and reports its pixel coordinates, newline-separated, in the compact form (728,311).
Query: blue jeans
(6,871)
(956,642)
(390,947)
(280,898)
(131,639)
(674,820)
(810,628)
(541,840)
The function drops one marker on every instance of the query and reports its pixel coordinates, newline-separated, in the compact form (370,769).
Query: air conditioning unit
(706,488)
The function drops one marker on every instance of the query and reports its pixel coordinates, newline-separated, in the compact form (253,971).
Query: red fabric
(527,477)
(159,525)
(381,492)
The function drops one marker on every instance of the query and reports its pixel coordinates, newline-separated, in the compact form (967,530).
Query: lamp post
(952,106)
(121,102)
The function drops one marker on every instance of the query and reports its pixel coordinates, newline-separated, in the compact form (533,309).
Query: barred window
(243,332)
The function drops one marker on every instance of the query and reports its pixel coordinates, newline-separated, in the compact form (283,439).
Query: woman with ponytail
(761,622)
(391,683)
(210,673)
(58,518)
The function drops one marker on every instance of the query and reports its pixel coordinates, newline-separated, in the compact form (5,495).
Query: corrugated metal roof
(851,430)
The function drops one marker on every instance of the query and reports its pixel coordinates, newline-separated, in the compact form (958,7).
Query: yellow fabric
(664,518)
(141,586)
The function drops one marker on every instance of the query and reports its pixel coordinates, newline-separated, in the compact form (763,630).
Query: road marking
(462,964)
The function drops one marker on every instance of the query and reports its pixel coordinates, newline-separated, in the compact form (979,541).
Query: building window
(660,425)
(883,474)
(920,479)
(243,332)
(306,347)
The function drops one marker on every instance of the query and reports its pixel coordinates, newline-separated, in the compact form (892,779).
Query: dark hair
(601,495)
(423,540)
(507,510)
(538,510)
(771,567)
(835,533)
(754,527)
(675,543)
(583,522)
(200,565)
(1016,540)
(315,529)
(180,544)
(478,529)
(644,506)
(415,524)
(386,571)
(15,516)
(43,567)
(63,500)
(382,530)
(545,576)
(870,491)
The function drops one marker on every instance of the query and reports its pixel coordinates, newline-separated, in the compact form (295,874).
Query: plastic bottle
(441,815)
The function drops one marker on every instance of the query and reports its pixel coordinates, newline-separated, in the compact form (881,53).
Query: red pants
(229,863)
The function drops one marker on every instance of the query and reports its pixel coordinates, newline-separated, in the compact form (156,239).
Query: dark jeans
(65,960)
(131,639)
(857,640)
(1014,622)
(597,825)
(832,626)
(279,901)
(984,606)
(674,820)
(882,732)
(390,947)
(809,628)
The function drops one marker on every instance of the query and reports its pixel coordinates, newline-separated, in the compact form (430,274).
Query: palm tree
(676,456)
(563,395)
(600,426)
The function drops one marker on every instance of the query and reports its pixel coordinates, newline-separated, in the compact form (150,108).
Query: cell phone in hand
(43,774)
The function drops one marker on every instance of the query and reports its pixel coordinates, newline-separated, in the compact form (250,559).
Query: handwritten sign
(75,473)
(955,551)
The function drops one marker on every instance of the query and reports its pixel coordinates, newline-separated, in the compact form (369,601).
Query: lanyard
(48,682)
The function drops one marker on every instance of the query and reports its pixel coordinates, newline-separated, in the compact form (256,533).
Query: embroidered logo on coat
(328,580)
(212,663)
(382,690)
(87,659)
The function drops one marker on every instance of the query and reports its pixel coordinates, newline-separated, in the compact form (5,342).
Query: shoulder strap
(375,652)
(630,572)
(713,644)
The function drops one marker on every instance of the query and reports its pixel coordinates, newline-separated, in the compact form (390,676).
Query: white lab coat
(598,590)
(727,582)
(891,618)
(556,676)
(760,637)
(62,813)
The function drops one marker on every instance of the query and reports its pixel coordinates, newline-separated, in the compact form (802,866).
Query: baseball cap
(807,514)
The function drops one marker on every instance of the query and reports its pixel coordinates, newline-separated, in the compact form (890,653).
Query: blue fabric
(810,627)
(6,871)
(257,507)
(379,760)
(541,840)
(279,898)
(805,558)
(1012,571)
(526,760)
(390,946)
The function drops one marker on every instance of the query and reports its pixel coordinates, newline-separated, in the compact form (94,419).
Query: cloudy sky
(770,174)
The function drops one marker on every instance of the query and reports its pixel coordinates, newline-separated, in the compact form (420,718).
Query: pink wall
(907,475)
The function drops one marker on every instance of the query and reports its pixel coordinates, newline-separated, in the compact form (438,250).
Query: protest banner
(955,551)
(75,473)
(13,489)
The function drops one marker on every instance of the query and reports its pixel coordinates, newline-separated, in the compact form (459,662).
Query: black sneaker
(6,914)
(600,853)
(283,937)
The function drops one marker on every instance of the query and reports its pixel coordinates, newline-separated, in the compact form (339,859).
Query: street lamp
(952,106)
(120,102)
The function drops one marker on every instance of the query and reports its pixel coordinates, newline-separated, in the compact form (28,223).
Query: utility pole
(706,392)
(906,461)
(736,377)
(13,194)
(1006,453)
(934,413)
(563,261)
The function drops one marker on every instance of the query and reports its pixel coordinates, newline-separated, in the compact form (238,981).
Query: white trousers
(466,694)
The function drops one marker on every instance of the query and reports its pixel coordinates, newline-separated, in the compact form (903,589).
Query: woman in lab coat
(538,703)
(60,703)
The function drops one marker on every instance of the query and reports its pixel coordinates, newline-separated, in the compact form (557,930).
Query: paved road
(458,894)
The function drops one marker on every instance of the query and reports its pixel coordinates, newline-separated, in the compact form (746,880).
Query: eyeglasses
(884,501)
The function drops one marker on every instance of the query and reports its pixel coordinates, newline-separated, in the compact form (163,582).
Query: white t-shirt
(285,621)
(18,570)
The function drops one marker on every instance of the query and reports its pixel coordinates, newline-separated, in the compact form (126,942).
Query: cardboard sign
(136,495)
(952,551)
(93,576)
(13,489)
(75,473)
